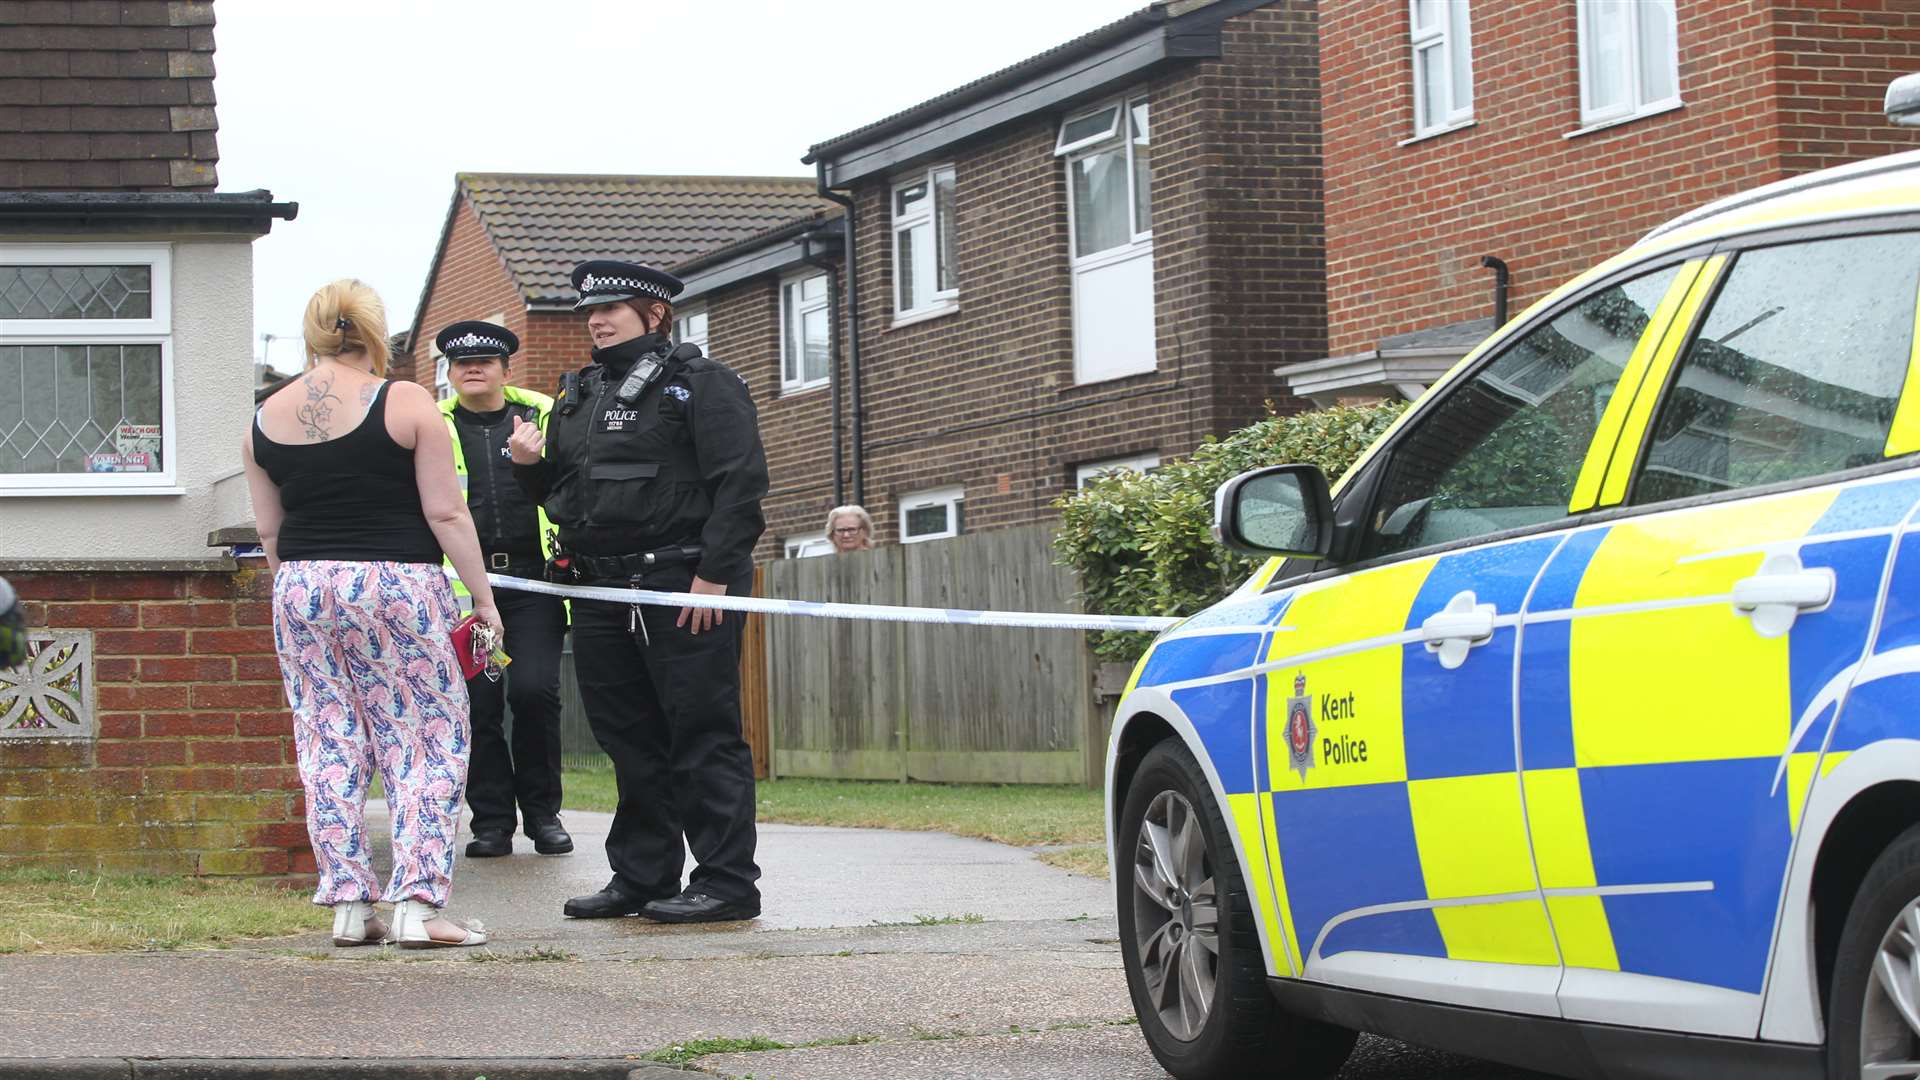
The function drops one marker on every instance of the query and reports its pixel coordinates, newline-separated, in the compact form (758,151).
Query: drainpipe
(1500,276)
(833,319)
(853,336)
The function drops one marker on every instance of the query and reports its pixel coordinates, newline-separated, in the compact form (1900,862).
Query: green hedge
(1142,543)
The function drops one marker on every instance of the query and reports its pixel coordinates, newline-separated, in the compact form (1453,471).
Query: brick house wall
(107,94)
(1771,88)
(191,767)
(985,397)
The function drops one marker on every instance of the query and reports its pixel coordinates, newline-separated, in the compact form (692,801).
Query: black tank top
(352,498)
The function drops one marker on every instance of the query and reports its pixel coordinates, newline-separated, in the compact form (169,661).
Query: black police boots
(549,838)
(611,902)
(694,906)
(490,844)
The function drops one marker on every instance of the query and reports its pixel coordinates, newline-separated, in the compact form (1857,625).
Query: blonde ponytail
(347,316)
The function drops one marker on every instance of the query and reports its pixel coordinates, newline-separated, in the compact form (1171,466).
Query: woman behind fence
(355,497)
(850,528)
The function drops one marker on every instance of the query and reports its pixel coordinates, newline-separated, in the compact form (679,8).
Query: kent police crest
(1300,727)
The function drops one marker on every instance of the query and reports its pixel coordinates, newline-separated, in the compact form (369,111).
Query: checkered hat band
(471,340)
(592,285)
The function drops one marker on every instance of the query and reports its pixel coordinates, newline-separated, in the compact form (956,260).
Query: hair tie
(341,324)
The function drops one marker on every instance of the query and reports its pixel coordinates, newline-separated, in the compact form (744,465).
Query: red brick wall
(471,283)
(192,770)
(1406,225)
(1833,64)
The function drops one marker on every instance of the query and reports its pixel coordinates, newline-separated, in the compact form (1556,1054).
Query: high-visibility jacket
(542,406)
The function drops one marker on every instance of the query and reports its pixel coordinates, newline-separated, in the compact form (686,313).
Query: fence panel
(889,700)
(834,685)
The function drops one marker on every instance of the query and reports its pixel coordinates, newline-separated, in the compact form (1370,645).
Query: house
(1547,136)
(148,731)
(1092,258)
(511,240)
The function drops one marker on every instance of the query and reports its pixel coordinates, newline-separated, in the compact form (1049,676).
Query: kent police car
(1576,728)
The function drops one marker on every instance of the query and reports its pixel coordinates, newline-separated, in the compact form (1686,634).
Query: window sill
(928,537)
(62,492)
(795,389)
(1602,125)
(927,315)
(1437,132)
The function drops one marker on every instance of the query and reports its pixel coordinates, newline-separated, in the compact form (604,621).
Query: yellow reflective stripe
(1282,926)
(1614,488)
(1586,489)
(1904,438)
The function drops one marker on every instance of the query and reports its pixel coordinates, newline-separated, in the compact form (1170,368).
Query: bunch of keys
(487,650)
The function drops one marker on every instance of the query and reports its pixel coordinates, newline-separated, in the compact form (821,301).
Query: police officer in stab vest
(651,466)
(513,532)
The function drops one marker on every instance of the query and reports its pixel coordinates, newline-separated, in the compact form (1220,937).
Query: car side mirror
(1903,100)
(1279,510)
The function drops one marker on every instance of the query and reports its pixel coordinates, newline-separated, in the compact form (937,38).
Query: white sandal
(410,919)
(355,923)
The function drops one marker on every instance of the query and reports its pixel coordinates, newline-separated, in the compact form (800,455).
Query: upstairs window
(1109,158)
(806,341)
(86,358)
(1629,59)
(924,278)
(1442,66)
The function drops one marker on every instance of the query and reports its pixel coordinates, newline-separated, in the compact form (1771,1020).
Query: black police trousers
(667,711)
(528,771)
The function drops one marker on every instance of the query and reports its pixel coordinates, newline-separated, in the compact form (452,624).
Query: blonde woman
(356,500)
(849,528)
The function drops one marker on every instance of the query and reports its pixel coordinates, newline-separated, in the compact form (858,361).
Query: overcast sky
(362,112)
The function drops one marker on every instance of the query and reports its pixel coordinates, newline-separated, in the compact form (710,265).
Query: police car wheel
(1187,936)
(1873,1027)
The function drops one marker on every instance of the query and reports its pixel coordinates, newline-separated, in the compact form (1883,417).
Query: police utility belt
(572,566)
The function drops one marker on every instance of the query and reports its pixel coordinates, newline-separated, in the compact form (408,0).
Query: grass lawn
(1023,815)
(45,911)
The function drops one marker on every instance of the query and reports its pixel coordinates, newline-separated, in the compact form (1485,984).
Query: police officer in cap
(513,534)
(651,466)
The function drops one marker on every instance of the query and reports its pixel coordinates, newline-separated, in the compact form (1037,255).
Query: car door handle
(1775,597)
(1453,630)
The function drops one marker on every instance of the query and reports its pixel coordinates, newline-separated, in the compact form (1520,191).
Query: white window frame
(1140,243)
(680,321)
(939,300)
(1636,105)
(951,497)
(807,546)
(1140,463)
(156,329)
(442,376)
(1453,51)
(789,327)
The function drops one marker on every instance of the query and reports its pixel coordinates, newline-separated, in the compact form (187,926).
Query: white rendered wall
(213,403)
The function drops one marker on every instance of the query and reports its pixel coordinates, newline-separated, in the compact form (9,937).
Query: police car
(1575,727)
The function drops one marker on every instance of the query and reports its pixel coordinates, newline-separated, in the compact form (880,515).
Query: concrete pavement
(879,955)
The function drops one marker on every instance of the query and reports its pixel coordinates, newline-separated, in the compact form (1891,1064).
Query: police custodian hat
(465,340)
(603,281)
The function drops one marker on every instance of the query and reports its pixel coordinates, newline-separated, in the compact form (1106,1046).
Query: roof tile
(544,225)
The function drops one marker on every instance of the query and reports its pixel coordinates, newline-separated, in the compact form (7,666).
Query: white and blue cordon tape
(1033,620)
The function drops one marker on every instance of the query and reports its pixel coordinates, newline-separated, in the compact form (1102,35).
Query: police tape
(1030,620)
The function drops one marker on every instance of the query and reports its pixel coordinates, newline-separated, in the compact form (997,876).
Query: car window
(1795,372)
(1503,449)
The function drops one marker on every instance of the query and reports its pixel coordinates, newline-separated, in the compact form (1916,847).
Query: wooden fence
(899,701)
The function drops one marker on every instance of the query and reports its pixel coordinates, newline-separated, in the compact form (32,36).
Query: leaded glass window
(76,292)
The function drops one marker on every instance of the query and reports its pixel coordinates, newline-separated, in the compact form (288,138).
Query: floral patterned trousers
(372,679)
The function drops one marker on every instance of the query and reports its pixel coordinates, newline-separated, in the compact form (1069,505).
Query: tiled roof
(545,225)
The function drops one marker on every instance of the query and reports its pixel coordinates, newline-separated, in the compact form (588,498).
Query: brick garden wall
(191,769)
(1771,88)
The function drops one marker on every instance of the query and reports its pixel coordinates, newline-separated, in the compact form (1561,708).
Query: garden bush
(1143,544)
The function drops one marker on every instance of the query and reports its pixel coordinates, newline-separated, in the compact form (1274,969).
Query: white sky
(362,112)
